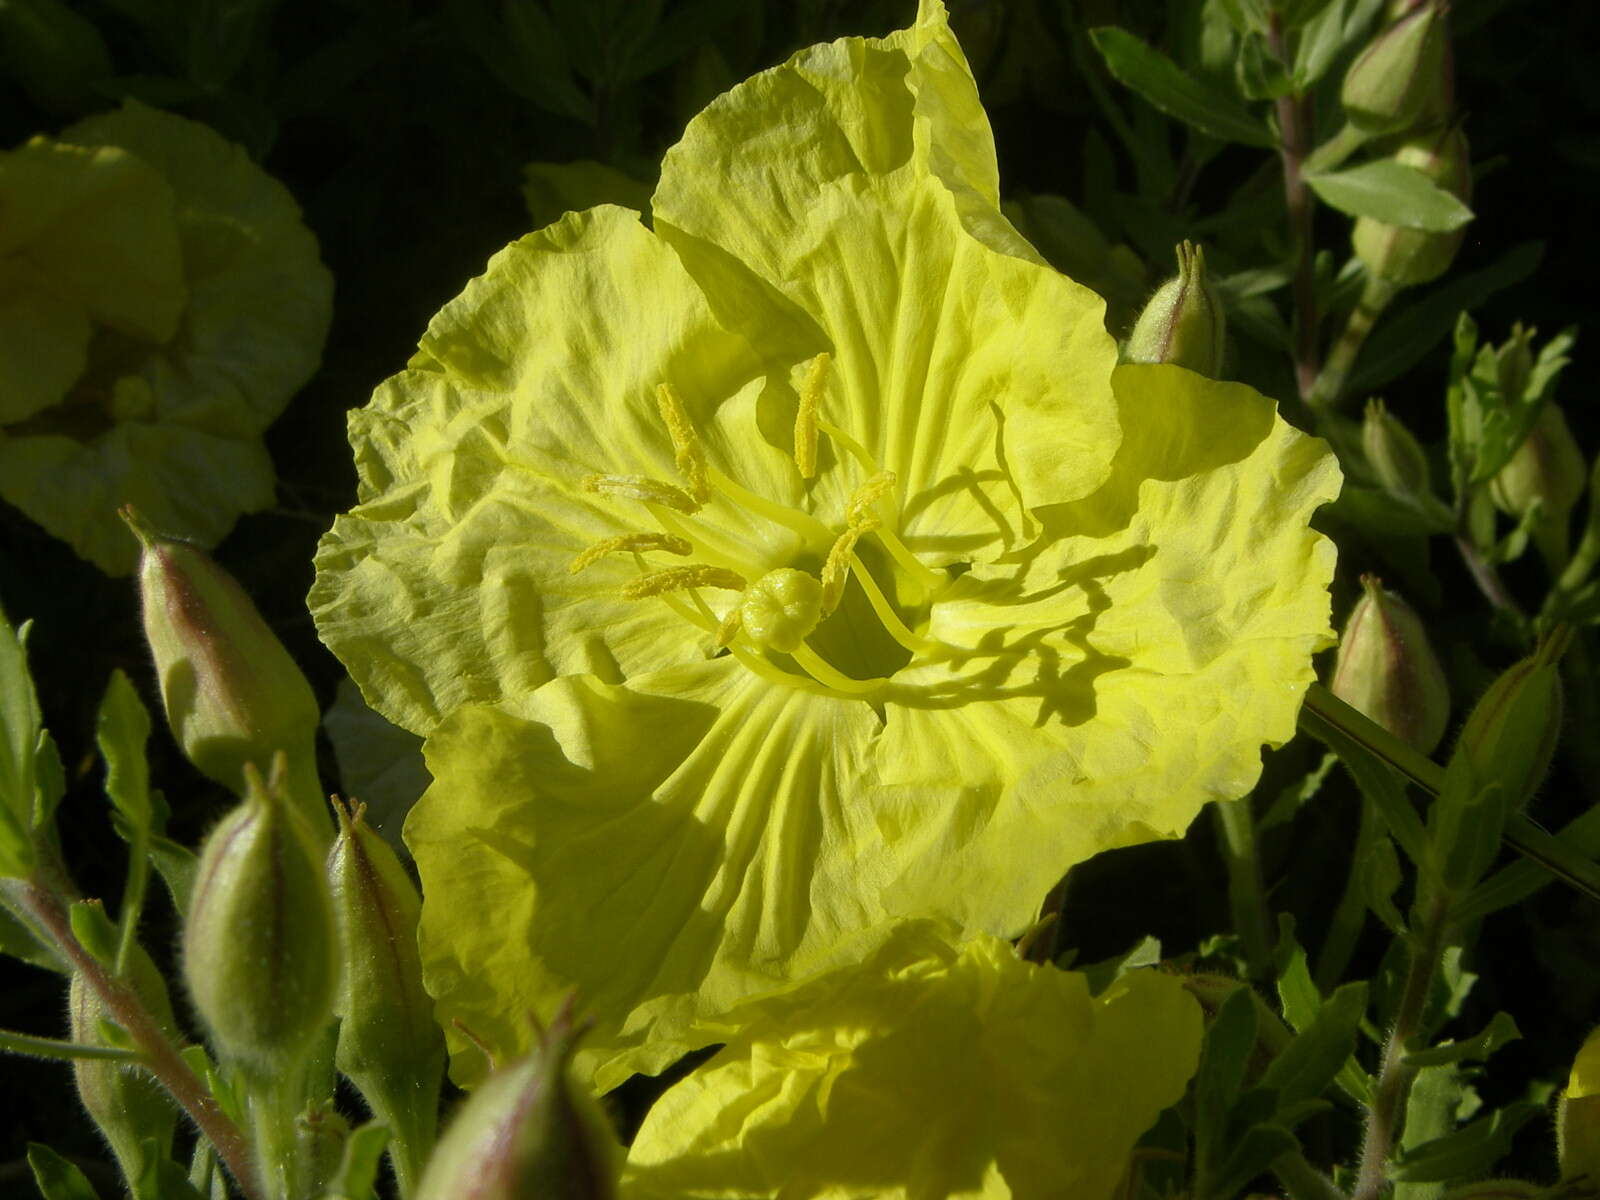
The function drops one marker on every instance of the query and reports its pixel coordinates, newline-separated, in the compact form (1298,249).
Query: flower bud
(1401,75)
(1387,670)
(1547,470)
(127,1104)
(1407,257)
(1578,1116)
(1184,322)
(1511,735)
(389,1045)
(528,1130)
(1397,460)
(259,943)
(1514,363)
(232,693)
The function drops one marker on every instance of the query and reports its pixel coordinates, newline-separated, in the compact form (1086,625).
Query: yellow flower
(799,567)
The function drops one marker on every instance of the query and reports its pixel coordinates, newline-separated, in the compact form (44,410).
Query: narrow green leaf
(19,736)
(1500,1030)
(1175,92)
(17,940)
(47,1047)
(162,1179)
(57,1178)
(1309,1064)
(121,729)
(1229,1043)
(1381,878)
(1393,193)
(176,864)
(1470,1152)
(1298,997)
(1252,1154)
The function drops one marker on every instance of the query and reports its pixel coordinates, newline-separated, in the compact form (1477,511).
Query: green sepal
(1500,1030)
(56,1178)
(94,929)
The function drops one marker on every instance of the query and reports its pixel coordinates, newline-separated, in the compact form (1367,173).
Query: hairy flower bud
(1578,1116)
(233,695)
(1546,470)
(1184,322)
(259,943)
(1407,257)
(528,1130)
(1401,75)
(1397,460)
(1387,670)
(1511,735)
(126,1103)
(389,1045)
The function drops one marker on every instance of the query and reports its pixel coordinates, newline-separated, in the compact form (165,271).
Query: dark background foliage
(402,129)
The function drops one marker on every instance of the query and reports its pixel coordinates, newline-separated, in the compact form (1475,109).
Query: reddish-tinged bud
(1547,470)
(1407,257)
(259,944)
(1387,670)
(1184,322)
(127,1104)
(1398,462)
(1401,75)
(529,1130)
(233,695)
(389,1045)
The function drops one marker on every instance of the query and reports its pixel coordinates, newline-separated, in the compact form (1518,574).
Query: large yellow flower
(799,567)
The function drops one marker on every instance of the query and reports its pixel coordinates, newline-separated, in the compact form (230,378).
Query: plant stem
(1328,390)
(1294,126)
(1247,897)
(160,1056)
(1303,1181)
(1427,946)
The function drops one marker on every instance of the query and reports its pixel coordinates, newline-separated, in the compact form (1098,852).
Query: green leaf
(122,728)
(176,864)
(357,1176)
(162,1179)
(1470,1152)
(1229,1044)
(1298,996)
(1260,74)
(1178,94)
(1292,798)
(1309,1064)
(1101,975)
(1381,878)
(18,941)
(1497,1033)
(94,930)
(1410,333)
(1393,193)
(57,1178)
(1253,1153)
(19,739)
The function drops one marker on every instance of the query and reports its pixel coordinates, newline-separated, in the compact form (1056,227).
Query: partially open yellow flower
(802,566)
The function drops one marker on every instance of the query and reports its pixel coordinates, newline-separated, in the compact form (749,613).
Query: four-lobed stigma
(783,606)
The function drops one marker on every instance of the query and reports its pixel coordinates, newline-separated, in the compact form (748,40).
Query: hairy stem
(1328,391)
(1294,128)
(160,1056)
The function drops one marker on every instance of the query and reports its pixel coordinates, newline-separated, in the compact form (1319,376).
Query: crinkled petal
(845,201)
(1131,670)
(666,849)
(450,583)
(925,1072)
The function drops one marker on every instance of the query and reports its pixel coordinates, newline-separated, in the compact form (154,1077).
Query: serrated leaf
(1308,1065)
(57,1178)
(1178,94)
(1470,1152)
(1393,193)
(1500,1030)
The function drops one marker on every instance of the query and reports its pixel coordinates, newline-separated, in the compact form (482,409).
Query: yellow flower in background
(801,567)
(160,302)
(929,1071)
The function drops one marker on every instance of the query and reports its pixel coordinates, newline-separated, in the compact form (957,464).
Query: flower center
(832,628)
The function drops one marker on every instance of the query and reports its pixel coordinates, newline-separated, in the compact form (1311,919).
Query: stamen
(836,569)
(804,524)
(859,510)
(636,542)
(641,487)
(805,420)
(731,624)
(775,674)
(898,629)
(857,450)
(689,455)
(678,579)
(819,669)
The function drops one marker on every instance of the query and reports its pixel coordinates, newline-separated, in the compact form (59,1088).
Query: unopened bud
(1514,363)
(1578,1117)
(125,1102)
(233,695)
(389,1045)
(1401,75)
(529,1130)
(1387,670)
(259,942)
(1546,470)
(1512,733)
(1184,322)
(1397,460)
(1407,257)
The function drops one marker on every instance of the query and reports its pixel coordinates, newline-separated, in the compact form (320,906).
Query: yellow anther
(642,487)
(677,579)
(729,629)
(836,570)
(859,510)
(690,456)
(637,542)
(805,420)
